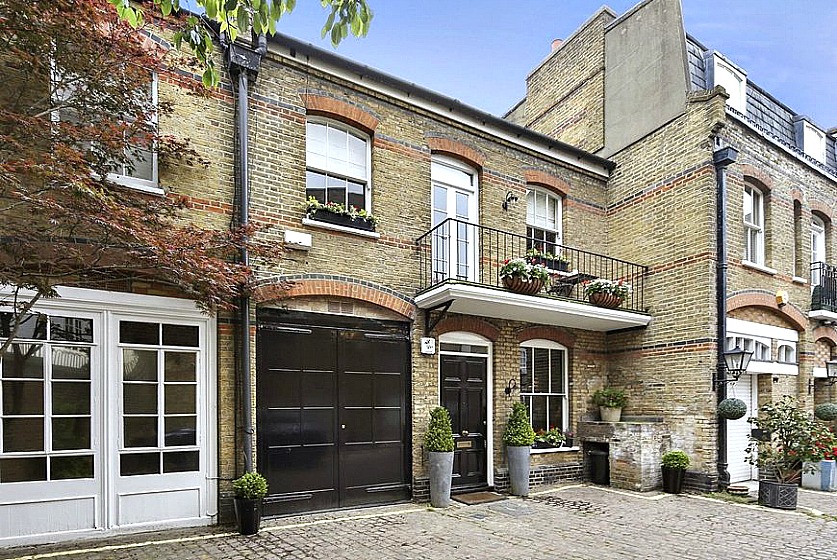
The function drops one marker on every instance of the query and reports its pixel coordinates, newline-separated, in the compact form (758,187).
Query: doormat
(474,498)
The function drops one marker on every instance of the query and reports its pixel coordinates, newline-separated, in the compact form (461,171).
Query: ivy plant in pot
(610,401)
(790,450)
(249,489)
(518,438)
(438,441)
(674,465)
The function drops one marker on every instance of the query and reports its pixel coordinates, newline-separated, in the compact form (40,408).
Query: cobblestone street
(576,521)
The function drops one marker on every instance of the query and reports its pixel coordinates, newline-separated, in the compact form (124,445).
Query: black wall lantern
(736,362)
(830,375)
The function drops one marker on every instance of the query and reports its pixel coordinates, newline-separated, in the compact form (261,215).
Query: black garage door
(332,422)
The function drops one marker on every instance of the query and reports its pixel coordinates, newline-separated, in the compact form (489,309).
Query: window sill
(133,183)
(799,280)
(555,450)
(334,227)
(759,267)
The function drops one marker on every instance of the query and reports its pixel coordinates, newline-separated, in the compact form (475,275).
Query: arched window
(337,164)
(544,383)
(544,213)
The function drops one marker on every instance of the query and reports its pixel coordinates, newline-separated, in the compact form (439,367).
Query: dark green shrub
(826,411)
(732,409)
(610,398)
(439,436)
(519,430)
(250,486)
(676,460)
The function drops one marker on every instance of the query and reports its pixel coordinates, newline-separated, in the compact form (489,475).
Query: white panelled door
(738,431)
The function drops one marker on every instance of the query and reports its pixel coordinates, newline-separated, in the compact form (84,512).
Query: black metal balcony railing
(824,282)
(465,252)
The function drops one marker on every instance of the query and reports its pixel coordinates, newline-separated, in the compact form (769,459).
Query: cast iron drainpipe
(722,157)
(243,61)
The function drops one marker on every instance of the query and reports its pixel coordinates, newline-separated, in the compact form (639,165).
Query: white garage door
(738,430)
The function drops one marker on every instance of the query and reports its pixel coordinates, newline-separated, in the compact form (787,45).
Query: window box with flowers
(548,439)
(337,214)
(548,260)
(521,276)
(607,293)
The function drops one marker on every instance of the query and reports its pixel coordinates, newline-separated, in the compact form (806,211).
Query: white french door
(738,431)
(454,196)
(817,249)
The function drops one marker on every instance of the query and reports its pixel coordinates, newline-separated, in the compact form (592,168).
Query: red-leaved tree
(75,107)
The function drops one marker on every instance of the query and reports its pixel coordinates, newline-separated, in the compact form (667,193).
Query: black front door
(332,414)
(463,380)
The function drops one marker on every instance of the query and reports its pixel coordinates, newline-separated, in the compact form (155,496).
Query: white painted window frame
(753,229)
(347,130)
(542,344)
(533,195)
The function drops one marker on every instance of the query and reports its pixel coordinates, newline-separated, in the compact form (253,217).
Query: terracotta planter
(520,286)
(608,301)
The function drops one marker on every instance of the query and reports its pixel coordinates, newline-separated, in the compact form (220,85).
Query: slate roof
(764,112)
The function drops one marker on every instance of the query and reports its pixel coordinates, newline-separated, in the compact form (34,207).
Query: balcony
(460,263)
(824,293)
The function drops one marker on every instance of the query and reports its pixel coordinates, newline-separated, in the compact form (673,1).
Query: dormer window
(722,72)
(809,138)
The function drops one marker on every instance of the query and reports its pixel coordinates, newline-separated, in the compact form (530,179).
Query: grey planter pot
(519,459)
(610,414)
(441,474)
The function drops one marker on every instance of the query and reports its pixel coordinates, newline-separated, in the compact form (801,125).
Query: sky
(480,52)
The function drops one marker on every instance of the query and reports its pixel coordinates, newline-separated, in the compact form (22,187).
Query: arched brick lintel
(547,333)
(345,288)
(757,299)
(756,175)
(340,110)
(555,184)
(822,209)
(468,324)
(826,333)
(456,149)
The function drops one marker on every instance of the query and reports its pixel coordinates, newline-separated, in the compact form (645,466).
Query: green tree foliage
(237,17)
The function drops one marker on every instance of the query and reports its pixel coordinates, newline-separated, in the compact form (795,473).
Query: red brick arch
(553,183)
(456,149)
(347,288)
(788,312)
(825,333)
(340,110)
(467,324)
(819,207)
(546,333)
(756,175)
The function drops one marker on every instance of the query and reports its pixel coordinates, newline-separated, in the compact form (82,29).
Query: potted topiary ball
(826,411)
(732,409)
(249,489)
(674,465)
(438,440)
(518,438)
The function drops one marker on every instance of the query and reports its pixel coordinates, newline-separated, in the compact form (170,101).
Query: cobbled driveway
(577,521)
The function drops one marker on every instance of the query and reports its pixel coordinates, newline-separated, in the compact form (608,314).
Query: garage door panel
(388,390)
(301,469)
(356,389)
(370,465)
(317,426)
(317,388)
(358,424)
(281,427)
(280,389)
(387,425)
